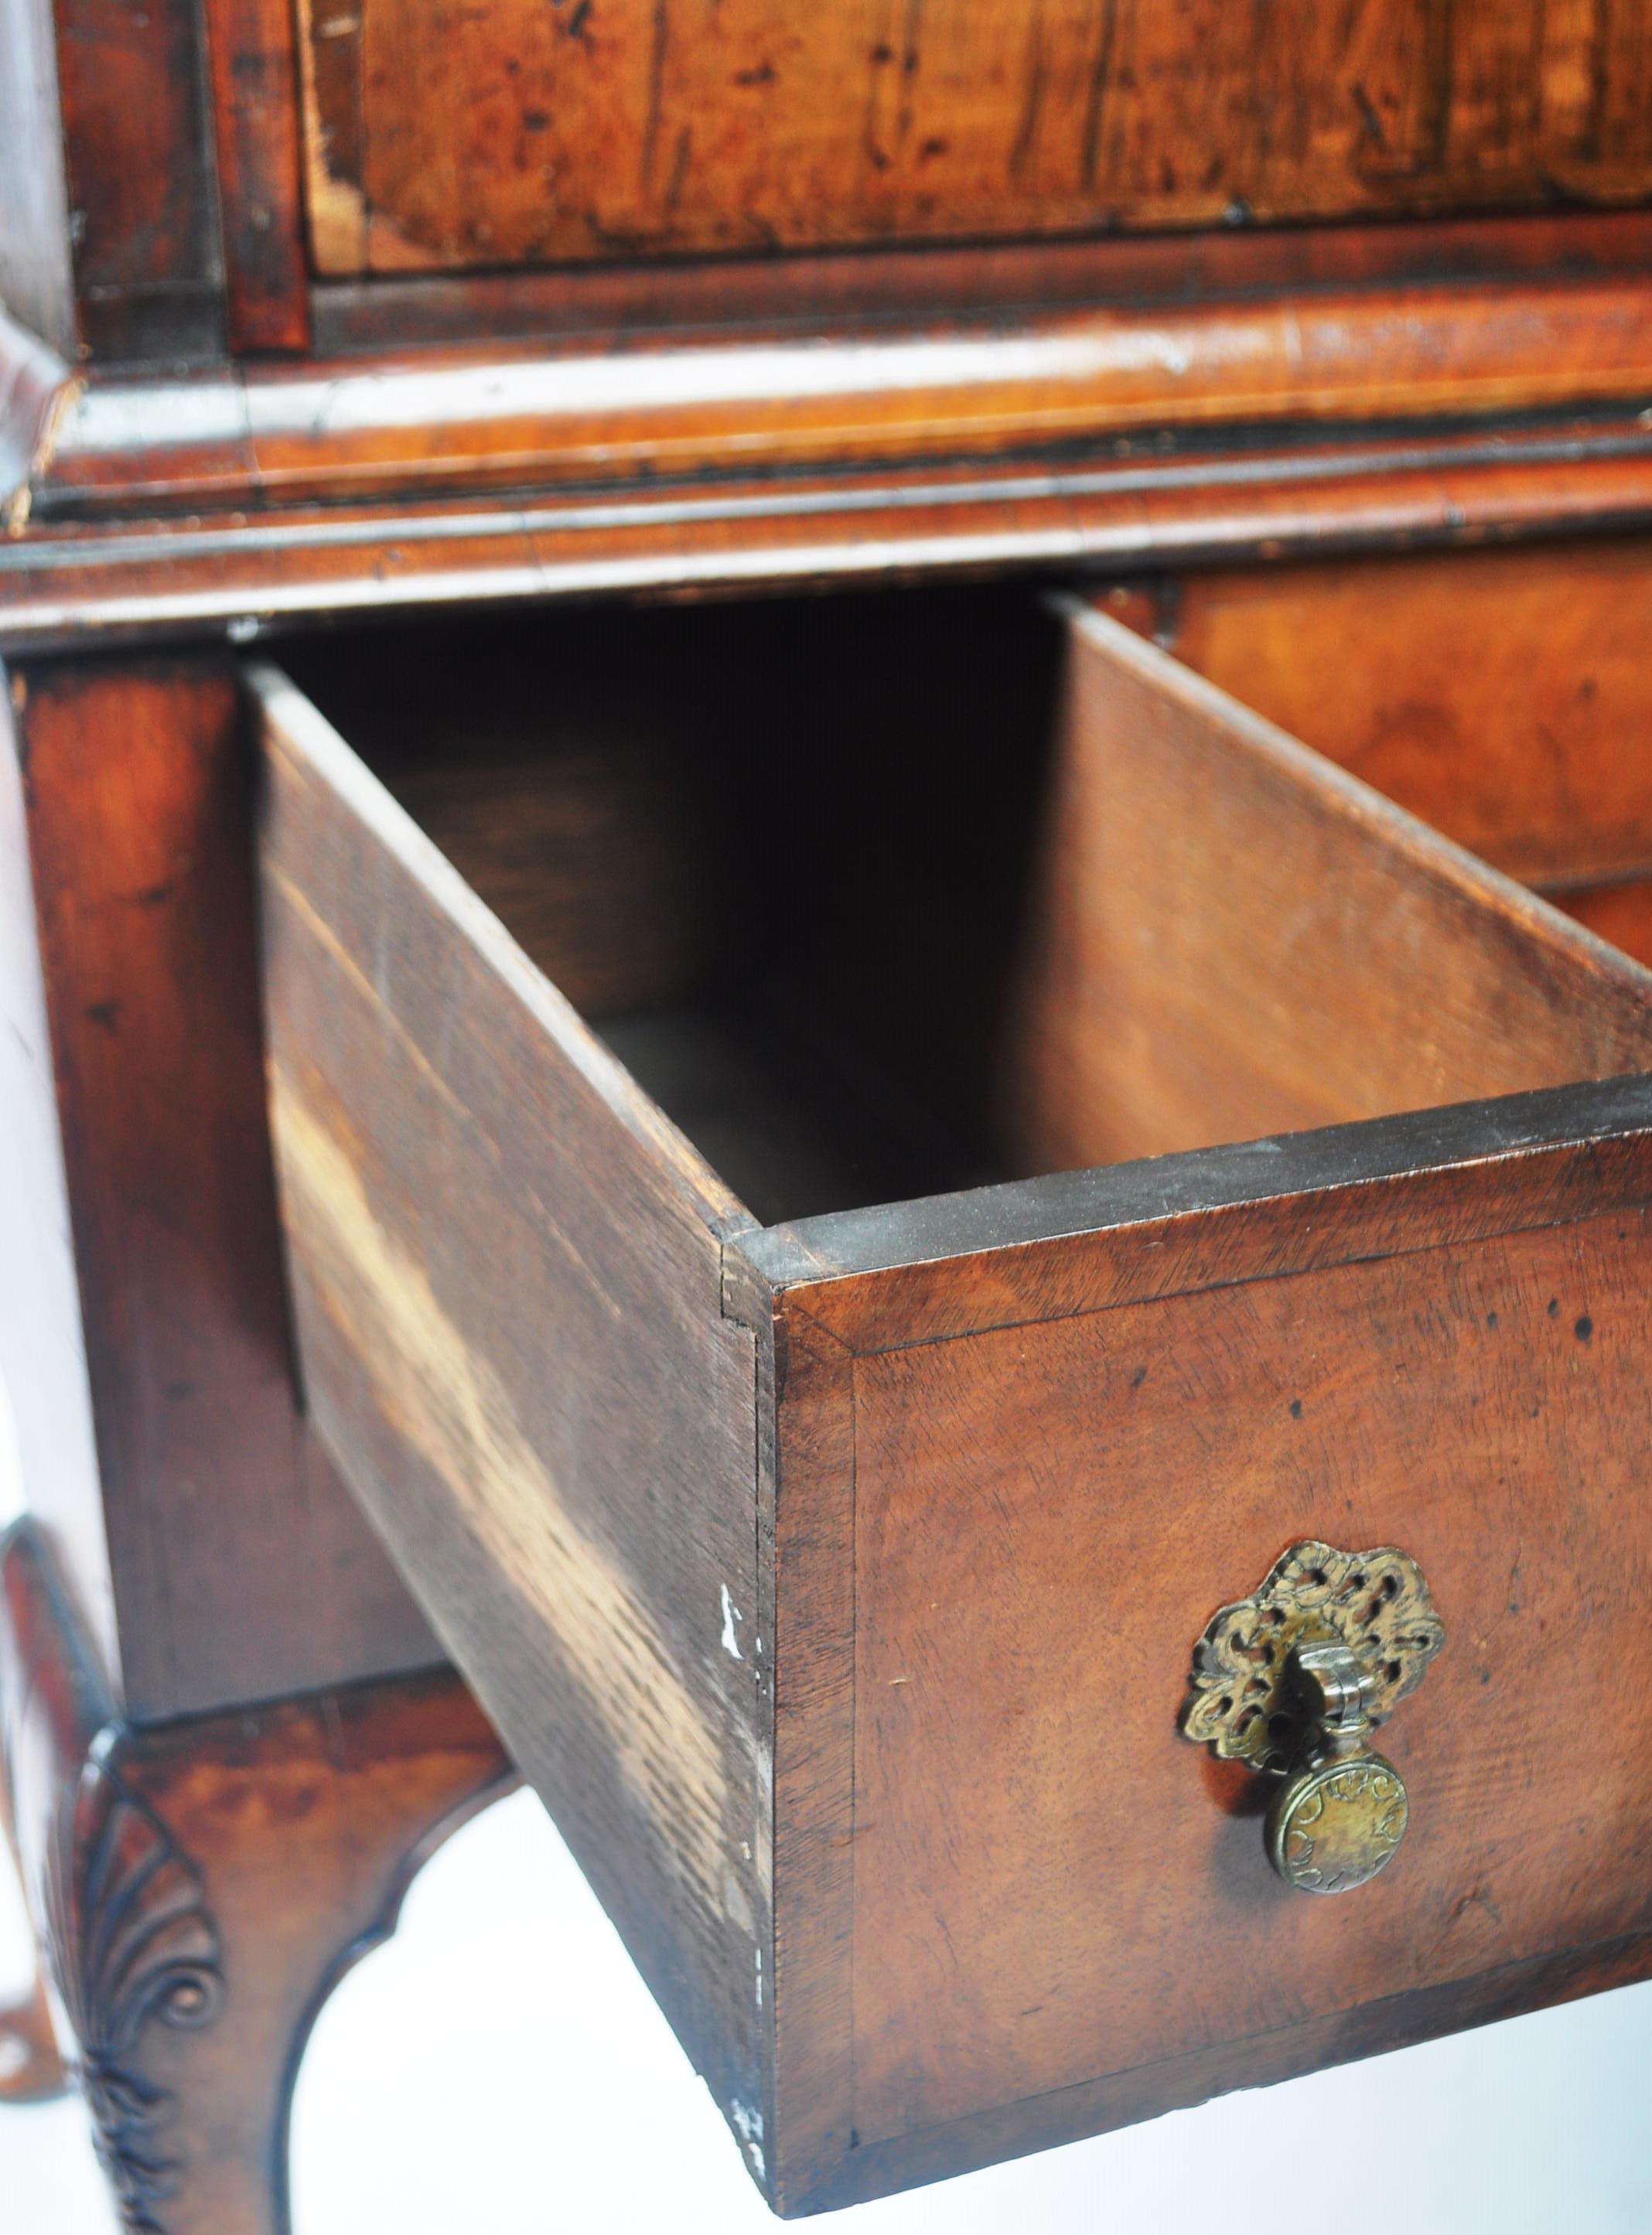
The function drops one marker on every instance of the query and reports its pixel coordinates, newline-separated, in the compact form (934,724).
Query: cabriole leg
(200,1886)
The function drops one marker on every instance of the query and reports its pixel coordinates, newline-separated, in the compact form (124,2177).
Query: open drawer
(822,1400)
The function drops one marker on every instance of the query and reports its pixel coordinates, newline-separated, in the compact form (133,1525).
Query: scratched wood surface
(507,1279)
(591,128)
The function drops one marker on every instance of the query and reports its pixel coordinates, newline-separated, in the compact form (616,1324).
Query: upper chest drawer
(553,131)
(827,1497)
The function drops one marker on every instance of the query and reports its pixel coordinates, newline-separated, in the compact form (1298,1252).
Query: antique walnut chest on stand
(977,1248)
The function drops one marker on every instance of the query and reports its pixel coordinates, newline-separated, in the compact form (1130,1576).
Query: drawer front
(523,134)
(1051,1884)
(1042,1482)
(1049,1430)
(836,1579)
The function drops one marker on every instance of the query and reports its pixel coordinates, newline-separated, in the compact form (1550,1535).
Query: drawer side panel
(1503,696)
(1230,937)
(507,1276)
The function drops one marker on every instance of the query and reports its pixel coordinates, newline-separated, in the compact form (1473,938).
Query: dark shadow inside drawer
(777,855)
(880,897)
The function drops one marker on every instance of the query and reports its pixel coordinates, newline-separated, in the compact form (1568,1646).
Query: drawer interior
(738,839)
(878,899)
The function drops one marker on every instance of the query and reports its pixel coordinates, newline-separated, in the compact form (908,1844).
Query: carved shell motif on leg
(134,1946)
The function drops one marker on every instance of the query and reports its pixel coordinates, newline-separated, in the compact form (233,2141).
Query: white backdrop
(498,2069)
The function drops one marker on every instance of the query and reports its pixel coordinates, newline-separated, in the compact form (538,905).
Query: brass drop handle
(1291,1681)
(1343,1810)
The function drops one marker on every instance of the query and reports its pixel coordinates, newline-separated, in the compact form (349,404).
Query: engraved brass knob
(1291,1681)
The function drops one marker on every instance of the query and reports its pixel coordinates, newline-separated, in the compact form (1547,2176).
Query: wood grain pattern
(591,843)
(950,278)
(1121,2100)
(507,1273)
(253,57)
(859,1049)
(1228,939)
(1029,1250)
(649,126)
(1503,696)
(364,1785)
(1114,1911)
(811,1440)
(143,211)
(1427,1333)
(241,1570)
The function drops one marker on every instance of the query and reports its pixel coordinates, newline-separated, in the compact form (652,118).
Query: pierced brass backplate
(1290,1681)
